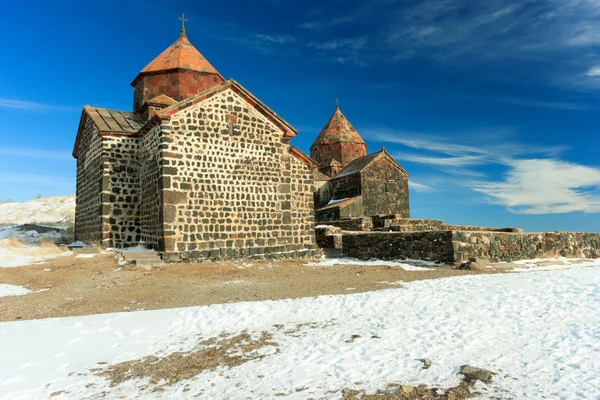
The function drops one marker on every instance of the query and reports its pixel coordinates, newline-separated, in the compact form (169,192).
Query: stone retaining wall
(429,245)
(498,246)
(453,247)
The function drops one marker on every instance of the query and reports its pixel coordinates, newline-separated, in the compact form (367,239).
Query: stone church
(352,184)
(202,169)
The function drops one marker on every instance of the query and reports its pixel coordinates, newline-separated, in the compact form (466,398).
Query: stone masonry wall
(502,246)
(228,184)
(453,247)
(120,196)
(431,245)
(346,186)
(88,222)
(151,184)
(384,189)
(302,186)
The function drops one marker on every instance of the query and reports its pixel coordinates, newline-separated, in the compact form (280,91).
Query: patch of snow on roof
(336,201)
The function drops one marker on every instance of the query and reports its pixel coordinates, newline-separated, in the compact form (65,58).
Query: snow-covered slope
(48,210)
(539,331)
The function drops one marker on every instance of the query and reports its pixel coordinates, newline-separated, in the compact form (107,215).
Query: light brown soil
(460,392)
(82,286)
(212,353)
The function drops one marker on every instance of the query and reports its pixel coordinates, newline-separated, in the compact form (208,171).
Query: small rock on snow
(474,373)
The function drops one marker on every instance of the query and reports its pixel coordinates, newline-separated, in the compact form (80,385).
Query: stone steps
(84,250)
(141,257)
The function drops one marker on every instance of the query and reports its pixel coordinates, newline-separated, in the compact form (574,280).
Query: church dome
(180,55)
(338,130)
(337,141)
(178,72)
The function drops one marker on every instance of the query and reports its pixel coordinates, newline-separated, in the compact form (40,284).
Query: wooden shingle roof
(113,120)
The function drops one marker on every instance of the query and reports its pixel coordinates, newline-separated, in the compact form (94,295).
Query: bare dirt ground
(82,286)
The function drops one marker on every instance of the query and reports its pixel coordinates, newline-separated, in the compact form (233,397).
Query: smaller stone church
(350,183)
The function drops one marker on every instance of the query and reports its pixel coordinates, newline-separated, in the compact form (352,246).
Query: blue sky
(491,106)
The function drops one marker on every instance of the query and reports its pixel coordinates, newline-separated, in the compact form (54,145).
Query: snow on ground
(355,261)
(45,210)
(16,254)
(549,264)
(12,290)
(539,331)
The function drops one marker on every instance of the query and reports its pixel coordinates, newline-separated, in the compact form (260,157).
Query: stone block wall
(453,247)
(384,189)
(90,182)
(120,194)
(432,245)
(346,186)
(227,191)
(504,246)
(151,185)
(302,186)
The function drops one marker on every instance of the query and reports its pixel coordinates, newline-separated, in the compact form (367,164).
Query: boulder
(476,374)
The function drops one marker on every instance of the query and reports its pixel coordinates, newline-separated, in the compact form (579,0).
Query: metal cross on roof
(183,19)
(337,102)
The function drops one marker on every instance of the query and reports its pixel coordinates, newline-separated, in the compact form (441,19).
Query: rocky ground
(71,285)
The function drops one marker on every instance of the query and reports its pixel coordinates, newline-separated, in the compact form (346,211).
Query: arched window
(385,188)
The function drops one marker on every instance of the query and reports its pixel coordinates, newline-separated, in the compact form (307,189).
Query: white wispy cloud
(594,71)
(37,153)
(460,161)
(276,39)
(545,104)
(497,149)
(536,181)
(6,102)
(545,186)
(419,187)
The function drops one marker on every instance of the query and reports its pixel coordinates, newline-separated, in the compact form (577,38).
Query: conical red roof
(180,55)
(338,130)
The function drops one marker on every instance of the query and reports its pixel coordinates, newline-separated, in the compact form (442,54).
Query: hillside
(48,210)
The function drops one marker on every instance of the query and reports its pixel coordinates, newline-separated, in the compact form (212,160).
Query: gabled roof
(107,122)
(162,100)
(319,176)
(339,203)
(180,55)
(337,130)
(300,155)
(361,163)
(166,113)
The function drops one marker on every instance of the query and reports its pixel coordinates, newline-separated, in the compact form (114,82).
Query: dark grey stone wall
(120,197)
(432,245)
(151,185)
(502,246)
(90,182)
(453,247)
(322,194)
(384,189)
(345,186)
